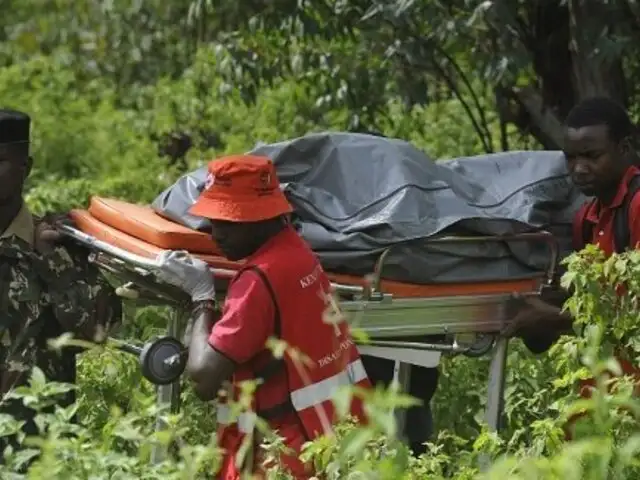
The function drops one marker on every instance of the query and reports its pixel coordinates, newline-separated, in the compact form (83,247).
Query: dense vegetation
(127,95)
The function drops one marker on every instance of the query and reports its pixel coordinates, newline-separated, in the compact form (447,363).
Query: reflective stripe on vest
(318,393)
(303,398)
(245,421)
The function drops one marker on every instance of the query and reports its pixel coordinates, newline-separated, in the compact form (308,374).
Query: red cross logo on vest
(333,314)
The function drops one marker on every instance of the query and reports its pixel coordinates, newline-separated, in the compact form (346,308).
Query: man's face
(14,168)
(594,161)
(236,240)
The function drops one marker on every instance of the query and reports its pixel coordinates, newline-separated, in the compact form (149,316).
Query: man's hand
(46,235)
(535,316)
(188,273)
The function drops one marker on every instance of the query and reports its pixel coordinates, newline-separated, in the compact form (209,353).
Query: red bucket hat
(241,188)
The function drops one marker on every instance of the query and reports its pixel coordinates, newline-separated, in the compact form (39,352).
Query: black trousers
(423,385)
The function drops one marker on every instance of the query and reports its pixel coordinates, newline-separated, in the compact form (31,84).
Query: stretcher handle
(374,289)
(95,244)
(121,254)
(537,234)
(138,261)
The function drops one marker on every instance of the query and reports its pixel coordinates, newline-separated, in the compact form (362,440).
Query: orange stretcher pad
(141,231)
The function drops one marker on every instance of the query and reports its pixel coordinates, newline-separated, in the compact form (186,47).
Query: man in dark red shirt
(602,163)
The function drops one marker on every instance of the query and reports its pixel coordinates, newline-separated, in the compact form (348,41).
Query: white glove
(179,268)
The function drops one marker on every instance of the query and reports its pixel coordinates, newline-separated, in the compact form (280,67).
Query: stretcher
(400,319)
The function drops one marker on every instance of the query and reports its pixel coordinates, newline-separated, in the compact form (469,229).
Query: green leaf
(354,442)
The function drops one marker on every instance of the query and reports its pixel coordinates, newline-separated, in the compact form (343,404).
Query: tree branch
(474,97)
(549,129)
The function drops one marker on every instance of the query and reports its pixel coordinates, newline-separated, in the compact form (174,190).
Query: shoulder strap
(621,232)
(274,365)
(277,328)
(586,226)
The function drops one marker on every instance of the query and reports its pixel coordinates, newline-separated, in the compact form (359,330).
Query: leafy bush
(606,446)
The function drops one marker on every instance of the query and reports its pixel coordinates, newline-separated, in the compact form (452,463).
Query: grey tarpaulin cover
(355,194)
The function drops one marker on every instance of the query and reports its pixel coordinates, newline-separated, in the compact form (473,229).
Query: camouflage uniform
(41,297)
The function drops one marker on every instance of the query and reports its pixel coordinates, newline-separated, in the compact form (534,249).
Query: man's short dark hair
(601,111)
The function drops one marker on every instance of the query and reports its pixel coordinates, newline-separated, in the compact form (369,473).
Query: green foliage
(116,435)
(120,449)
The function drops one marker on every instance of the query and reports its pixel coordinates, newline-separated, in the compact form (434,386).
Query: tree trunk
(594,72)
(569,64)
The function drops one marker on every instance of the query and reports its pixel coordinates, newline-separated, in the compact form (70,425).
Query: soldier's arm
(84,302)
(21,319)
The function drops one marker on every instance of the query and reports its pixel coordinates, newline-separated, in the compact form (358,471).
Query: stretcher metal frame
(471,324)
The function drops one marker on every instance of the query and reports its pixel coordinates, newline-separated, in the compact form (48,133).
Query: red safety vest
(299,391)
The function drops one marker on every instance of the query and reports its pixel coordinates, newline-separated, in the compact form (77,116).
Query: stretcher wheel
(481,346)
(163,360)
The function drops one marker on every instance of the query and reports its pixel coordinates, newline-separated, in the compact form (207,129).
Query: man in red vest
(602,164)
(281,291)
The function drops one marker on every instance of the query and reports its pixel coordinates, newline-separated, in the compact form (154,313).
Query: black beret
(14,127)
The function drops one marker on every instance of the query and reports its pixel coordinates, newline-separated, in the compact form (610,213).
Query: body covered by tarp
(355,195)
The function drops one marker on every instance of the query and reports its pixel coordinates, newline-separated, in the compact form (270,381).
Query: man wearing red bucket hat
(282,291)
